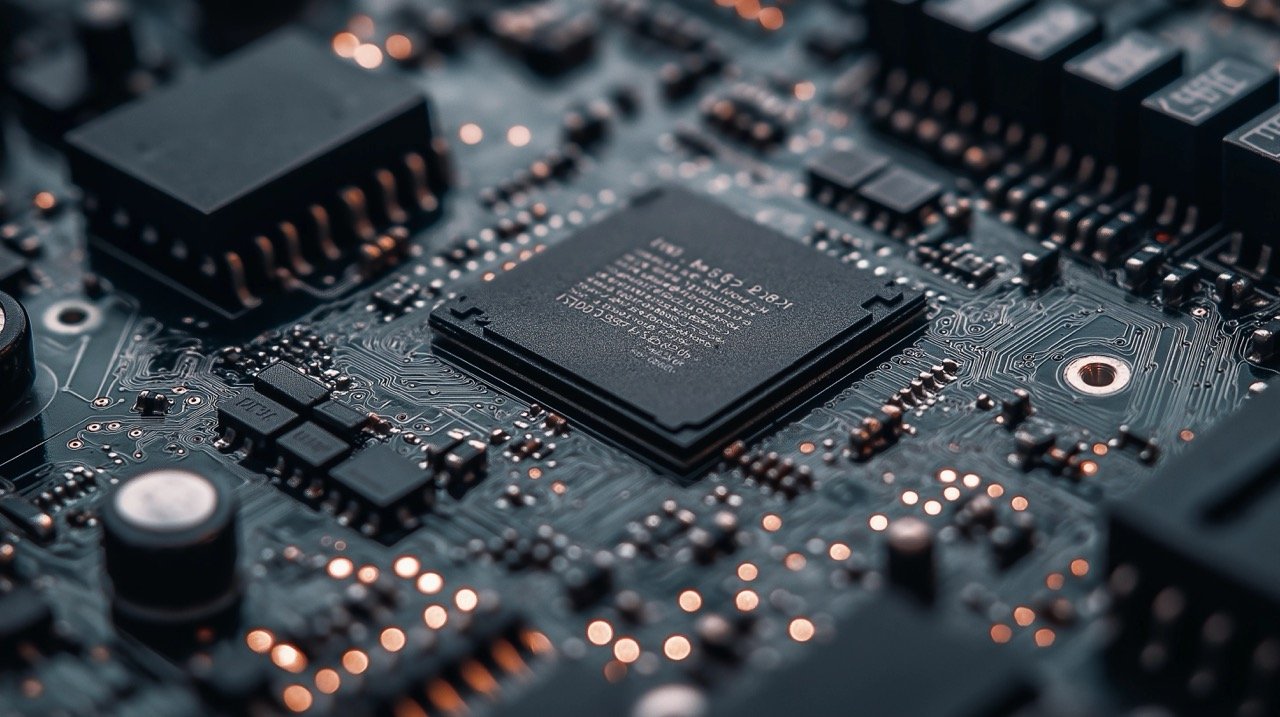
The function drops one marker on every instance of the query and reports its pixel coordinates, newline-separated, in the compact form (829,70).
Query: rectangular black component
(1201,535)
(901,192)
(892,26)
(1102,93)
(340,418)
(311,448)
(673,327)
(837,174)
(1251,181)
(859,671)
(1027,56)
(276,159)
(251,414)
(1182,127)
(288,385)
(381,479)
(955,34)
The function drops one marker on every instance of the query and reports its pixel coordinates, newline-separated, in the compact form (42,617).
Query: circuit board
(686,358)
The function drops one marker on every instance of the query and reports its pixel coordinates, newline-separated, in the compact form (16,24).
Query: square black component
(251,414)
(838,173)
(955,34)
(381,479)
(311,448)
(1102,93)
(1182,127)
(1027,57)
(206,172)
(340,418)
(901,192)
(1251,181)
(673,327)
(286,384)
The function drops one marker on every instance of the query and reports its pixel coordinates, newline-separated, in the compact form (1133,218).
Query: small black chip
(902,193)
(381,479)
(252,415)
(837,174)
(340,418)
(311,448)
(273,164)
(286,384)
(673,327)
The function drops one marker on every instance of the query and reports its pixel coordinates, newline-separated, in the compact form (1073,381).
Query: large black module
(267,168)
(673,327)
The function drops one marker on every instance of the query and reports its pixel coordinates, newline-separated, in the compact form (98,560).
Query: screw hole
(73,316)
(1098,375)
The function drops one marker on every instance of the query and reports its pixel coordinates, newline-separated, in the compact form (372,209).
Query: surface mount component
(273,165)
(673,327)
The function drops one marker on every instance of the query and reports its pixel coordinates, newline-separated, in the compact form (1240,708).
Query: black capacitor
(17,359)
(169,539)
(105,31)
(911,557)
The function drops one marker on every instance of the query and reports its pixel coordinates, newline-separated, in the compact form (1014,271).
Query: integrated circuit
(674,326)
(279,163)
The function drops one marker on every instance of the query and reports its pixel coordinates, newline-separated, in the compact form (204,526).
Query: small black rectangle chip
(311,448)
(837,174)
(286,384)
(901,192)
(340,418)
(381,479)
(252,414)
(673,327)
(277,159)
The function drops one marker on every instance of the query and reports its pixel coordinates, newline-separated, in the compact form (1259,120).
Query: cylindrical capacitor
(911,557)
(105,30)
(17,360)
(169,538)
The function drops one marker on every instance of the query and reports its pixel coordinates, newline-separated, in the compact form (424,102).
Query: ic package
(281,161)
(674,326)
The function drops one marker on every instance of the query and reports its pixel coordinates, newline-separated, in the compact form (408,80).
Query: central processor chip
(673,327)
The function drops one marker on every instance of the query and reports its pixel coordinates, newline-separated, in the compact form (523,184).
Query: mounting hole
(72,316)
(1097,375)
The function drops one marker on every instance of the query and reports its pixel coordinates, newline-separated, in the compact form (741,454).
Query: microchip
(673,327)
(902,193)
(311,448)
(387,489)
(286,384)
(249,414)
(837,174)
(267,168)
(340,418)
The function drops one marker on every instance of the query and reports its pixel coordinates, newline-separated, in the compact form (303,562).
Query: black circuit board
(961,469)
